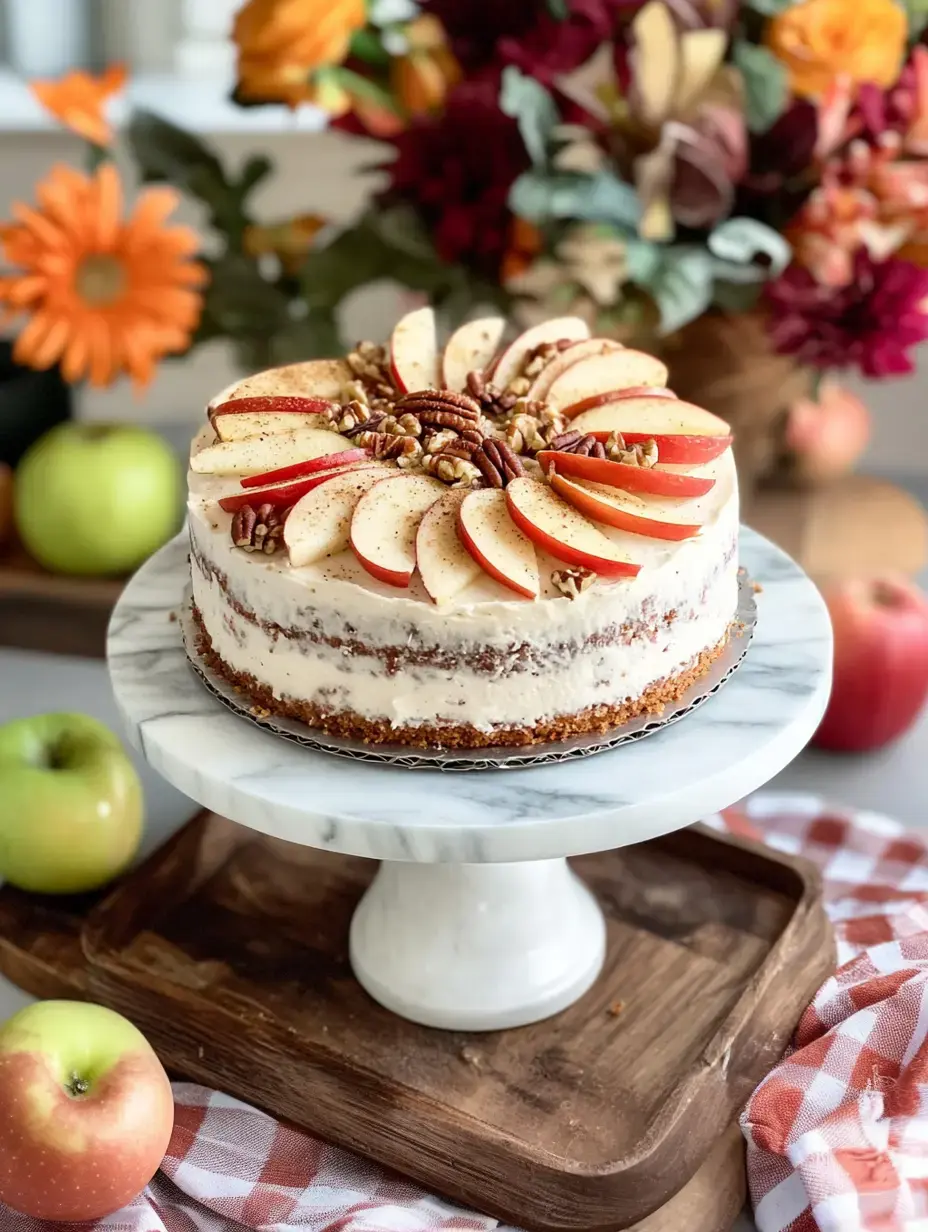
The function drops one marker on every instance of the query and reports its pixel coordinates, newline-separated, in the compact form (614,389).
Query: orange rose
(820,40)
(281,43)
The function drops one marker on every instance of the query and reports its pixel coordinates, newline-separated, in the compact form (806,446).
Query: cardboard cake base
(230,951)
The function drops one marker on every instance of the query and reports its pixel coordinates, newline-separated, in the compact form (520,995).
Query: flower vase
(30,403)
(725,363)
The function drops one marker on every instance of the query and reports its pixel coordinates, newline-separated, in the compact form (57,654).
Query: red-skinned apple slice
(326,462)
(615,395)
(615,370)
(684,433)
(385,522)
(319,524)
(551,523)
(510,363)
(313,378)
(243,417)
(445,566)
(470,348)
(414,352)
(288,493)
(497,545)
(565,359)
(257,454)
(650,479)
(655,518)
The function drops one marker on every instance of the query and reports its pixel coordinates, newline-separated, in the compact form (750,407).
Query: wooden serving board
(44,611)
(230,951)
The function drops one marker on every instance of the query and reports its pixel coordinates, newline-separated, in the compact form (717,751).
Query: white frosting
(545,662)
(330,634)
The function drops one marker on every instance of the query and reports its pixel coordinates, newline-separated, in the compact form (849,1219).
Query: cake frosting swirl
(471,545)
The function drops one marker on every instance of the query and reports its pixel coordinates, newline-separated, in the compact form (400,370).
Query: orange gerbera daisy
(106,295)
(78,100)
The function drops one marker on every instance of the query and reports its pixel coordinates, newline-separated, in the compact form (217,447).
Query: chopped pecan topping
(576,442)
(493,401)
(572,582)
(354,417)
(525,434)
(498,462)
(370,364)
(644,454)
(259,528)
(452,469)
(387,445)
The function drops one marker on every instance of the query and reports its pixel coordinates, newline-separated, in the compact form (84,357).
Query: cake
(479,544)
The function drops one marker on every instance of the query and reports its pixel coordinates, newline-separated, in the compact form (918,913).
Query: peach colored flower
(819,40)
(78,100)
(282,43)
(104,294)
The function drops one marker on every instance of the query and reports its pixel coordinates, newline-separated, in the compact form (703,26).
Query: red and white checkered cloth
(837,1133)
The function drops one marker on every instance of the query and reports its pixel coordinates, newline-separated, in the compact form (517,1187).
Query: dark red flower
(456,171)
(775,185)
(870,324)
(526,34)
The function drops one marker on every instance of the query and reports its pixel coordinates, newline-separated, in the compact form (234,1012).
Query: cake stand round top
(733,744)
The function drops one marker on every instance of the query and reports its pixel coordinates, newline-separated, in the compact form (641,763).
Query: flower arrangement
(741,185)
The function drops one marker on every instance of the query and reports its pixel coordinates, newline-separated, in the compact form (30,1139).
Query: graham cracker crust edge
(353,726)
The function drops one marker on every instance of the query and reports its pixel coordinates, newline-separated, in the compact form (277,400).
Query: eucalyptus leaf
(257,168)
(530,104)
(678,277)
(739,241)
(766,87)
(735,297)
(239,303)
(770,8)
(558,9)
(166,152)
(603,197)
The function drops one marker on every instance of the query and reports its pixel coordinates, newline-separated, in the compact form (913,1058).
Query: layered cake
(484,543)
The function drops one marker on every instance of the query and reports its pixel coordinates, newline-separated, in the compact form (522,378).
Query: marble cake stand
(474,920)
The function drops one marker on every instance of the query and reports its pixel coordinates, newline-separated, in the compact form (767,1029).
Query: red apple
(414,358)
(656,518)
(491,537)
(511,360)
(616,395)
(268,404)
(559,363)
(385,522)
(825,436)
(87,1111)
(650,479)
(560,530)
(881,662)
(287,493)
(684,433)
(297,470)
(470,348)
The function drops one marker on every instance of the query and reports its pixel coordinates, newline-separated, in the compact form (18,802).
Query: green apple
(71,804)
(96,499)
(87,1111)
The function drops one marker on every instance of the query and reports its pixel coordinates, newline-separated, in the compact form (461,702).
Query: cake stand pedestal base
(477,947)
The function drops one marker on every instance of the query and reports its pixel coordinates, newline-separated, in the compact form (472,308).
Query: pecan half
(440,400)
(572,582)
(493,401)
(498,462)
(576,442)
(259,528)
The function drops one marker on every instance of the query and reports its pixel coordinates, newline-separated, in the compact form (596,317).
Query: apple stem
(76,1085)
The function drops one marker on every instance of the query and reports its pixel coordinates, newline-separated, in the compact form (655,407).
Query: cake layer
(331,637)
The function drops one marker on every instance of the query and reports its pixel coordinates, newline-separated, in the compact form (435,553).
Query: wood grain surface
(230,951)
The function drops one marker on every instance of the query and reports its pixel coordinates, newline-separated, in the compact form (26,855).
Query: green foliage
(678,277)
(917,13)
(530,104)
(165,153)
(766,88)
(543,197)
(738,242)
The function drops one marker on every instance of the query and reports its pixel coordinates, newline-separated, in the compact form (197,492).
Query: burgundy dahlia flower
(456,170)
(869,324)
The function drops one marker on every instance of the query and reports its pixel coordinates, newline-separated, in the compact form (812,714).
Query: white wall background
(177,49)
